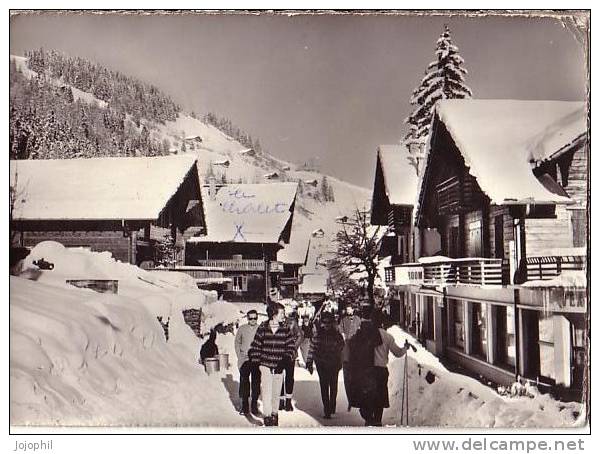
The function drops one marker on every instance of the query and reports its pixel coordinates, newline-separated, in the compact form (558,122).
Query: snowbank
(79,357)
(82,358)
(163,294)
(454,400)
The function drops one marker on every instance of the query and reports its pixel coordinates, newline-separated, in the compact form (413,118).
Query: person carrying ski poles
(372,413)
(326,351)
(272,349)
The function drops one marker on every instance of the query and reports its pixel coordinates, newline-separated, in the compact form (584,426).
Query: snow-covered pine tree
(330,194)
(444,79)
(325,188)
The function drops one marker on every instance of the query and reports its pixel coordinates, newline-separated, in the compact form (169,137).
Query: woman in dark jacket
(326,351)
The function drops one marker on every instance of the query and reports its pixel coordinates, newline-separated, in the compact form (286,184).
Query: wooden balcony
(242,265)
(548,267)
(467,271)
(297,280)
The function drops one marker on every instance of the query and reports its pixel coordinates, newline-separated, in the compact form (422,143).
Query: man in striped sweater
(272,349)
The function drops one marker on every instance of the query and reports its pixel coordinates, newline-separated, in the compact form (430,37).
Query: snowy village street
(108,363)
(216,214)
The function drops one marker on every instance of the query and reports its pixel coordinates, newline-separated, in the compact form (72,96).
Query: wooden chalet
(121,205)
(246,225)
(504,192)
(293,256)
(394,195)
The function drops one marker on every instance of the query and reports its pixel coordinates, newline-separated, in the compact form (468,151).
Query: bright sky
(320,86)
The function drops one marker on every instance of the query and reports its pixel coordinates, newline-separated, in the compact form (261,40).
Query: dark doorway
(499,237)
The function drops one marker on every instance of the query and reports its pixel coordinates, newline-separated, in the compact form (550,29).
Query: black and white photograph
(275,220)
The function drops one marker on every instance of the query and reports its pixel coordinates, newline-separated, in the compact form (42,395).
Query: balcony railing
(548,267)
(467,271)
(242,265)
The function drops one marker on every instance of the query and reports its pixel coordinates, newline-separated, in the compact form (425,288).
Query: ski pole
(403,390)
(405,384)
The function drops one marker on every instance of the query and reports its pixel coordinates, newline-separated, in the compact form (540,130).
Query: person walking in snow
(326,351)
(307,334)
(349,323)
(272,349)
(348,326)
(287,389)
(249,371)
(372,409)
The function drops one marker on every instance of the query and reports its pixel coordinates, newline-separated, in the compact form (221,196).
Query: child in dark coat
(209,349)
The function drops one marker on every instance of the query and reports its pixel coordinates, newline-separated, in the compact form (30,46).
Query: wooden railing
(469,271)
(548,267)
(390,274)
(242,265)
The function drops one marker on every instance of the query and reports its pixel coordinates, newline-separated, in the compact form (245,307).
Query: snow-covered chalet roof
(97,188)
(500,140)
(313,283)
(295,253)
(253,213)
(399,175)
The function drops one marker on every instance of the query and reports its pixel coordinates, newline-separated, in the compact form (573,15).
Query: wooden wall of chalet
(507,231)
(543,235)
(112,241)
(488,234)
(578,176)
(225,251)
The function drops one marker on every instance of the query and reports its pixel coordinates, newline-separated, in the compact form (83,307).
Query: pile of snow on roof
(499,140)
(97,188)
(253,213)
(400,176)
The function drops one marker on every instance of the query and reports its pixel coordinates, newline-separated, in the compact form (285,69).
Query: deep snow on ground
(455,400)
(78,357)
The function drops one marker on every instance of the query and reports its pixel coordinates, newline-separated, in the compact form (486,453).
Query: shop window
(457,324)
(579,362)
(479,329)
(546,345)
(506,339)
(430,331)
(237,283)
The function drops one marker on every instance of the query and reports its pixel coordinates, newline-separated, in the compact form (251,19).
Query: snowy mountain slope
(311,213)
(21,63)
